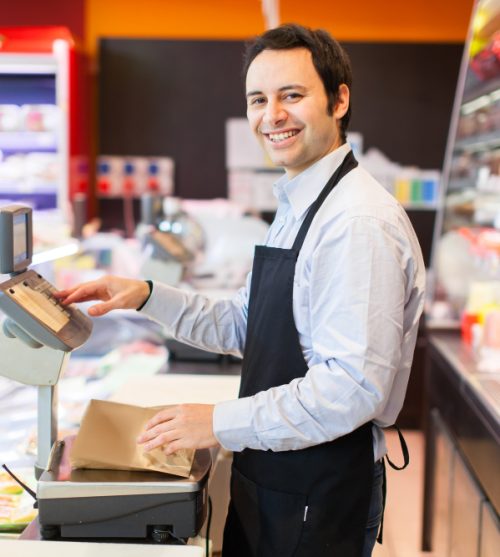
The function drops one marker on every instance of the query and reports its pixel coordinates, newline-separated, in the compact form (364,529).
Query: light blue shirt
(357,298)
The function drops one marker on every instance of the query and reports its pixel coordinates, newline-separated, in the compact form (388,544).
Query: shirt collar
(302,190)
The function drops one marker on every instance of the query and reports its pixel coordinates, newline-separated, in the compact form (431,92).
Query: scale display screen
(16,238)
(20,238)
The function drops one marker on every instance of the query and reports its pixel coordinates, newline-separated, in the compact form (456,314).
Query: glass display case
(44,129)
(467,234)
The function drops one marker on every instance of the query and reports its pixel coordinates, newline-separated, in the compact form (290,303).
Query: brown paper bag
(107,439)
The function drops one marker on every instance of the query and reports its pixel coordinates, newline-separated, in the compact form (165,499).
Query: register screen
(20,239)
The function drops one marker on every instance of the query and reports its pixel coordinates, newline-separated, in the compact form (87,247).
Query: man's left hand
(185,426)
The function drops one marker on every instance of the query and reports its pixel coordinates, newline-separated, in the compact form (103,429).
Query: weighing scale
(38,336)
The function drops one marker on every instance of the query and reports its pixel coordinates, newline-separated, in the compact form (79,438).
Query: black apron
(311,502)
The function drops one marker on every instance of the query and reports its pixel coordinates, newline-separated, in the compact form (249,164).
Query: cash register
(37,337)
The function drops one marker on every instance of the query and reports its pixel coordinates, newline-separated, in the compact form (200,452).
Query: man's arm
(217,325)
(214,324)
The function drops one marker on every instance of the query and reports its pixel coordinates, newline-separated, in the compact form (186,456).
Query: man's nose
(275,113)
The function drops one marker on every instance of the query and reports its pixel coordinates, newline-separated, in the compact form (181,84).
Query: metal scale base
(121,505)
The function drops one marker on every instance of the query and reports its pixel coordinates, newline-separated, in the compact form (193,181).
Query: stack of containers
(134,176)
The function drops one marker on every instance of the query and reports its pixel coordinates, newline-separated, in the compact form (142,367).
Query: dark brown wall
(172,98)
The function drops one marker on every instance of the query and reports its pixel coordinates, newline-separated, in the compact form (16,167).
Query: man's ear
(342,104)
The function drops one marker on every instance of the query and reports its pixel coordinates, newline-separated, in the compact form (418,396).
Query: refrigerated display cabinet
(467,232)
(44,138)
(462,379)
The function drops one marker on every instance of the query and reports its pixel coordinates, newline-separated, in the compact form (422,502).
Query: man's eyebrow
(252,93)
(281,89)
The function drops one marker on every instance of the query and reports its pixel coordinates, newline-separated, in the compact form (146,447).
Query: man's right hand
(114,292)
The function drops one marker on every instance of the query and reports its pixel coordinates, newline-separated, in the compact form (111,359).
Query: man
(327,322)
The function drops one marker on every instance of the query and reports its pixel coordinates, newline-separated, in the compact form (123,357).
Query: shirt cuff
(150,284)
(165,305)
(232,424)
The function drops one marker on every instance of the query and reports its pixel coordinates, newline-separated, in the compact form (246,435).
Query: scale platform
(119,504)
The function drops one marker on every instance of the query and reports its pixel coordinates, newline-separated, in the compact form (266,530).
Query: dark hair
(329,58)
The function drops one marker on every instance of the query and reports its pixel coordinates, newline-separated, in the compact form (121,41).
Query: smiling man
(326,323)
(289,111)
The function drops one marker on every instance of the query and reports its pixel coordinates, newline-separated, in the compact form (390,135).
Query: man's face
(287,109)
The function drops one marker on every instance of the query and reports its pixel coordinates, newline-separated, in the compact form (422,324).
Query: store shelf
(20,187)
(39,198)
(484,88)
(420,206)
(26,141)
(483,142)
(460,184)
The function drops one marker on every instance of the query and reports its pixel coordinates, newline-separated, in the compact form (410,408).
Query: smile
(281,136)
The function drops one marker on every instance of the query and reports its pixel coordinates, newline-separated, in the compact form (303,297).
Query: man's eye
(293,96)
(257,100)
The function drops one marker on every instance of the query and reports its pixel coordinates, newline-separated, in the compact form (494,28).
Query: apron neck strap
(348,164)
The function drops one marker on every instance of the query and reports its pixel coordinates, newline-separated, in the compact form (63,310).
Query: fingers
(109,290)
(155,432)
(65,293)
(115,292)
(175,446)
(163,416)
(185,426)
(161,440)
(100,309)
(171,441)
(156,426)
(81,293)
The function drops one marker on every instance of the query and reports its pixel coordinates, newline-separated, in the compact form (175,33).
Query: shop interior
(123,135)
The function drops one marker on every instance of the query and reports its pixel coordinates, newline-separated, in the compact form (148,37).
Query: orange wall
(347,20)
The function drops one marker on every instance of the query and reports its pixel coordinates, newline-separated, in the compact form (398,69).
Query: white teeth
(281,136)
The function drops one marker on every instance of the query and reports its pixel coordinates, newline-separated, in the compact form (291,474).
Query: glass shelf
(26,141)
(483,142)
(480,89)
